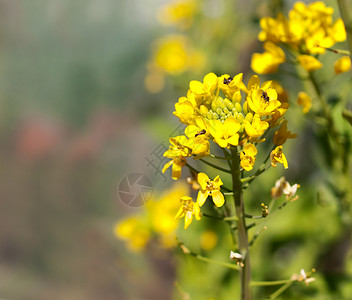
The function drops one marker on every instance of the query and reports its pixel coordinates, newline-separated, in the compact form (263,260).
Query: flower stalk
(243,244)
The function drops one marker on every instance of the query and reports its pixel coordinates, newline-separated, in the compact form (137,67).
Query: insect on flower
(228,80)
(265,96)
(200,132)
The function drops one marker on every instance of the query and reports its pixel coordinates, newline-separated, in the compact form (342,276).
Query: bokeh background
(77,114)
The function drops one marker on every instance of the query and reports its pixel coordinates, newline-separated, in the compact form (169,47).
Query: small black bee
(265,96)
(228,80)
(200,132)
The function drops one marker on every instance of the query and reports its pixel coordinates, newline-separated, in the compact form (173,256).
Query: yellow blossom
(225,134)
(206,91)
(177,151)
(256,128)
(179,13)
(231,87)
(174,55)
(342,65)
(261,99)
(268,62)
(309,62)
(184,110)
(177,163)
(134,232)
(247,157)
(188,210)
(210,188)
(277,156)
(282,135)
(309,28)
(178,147)
(305,101)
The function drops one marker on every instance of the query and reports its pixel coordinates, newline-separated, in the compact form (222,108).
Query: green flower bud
(249,117)
(203,110)
(210,115)
(240,118)
(245,107)
(238,107)
(229,104)
(236,97)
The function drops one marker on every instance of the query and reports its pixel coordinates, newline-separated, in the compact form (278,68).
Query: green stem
(218,157)
(269,283)
(215,166)
(243,244)
(208,260)
(281,290)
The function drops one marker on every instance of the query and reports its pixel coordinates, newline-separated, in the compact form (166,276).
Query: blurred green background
(75,118)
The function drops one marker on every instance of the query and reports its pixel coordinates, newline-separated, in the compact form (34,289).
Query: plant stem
(215,166)
(243,244)
(270,283)
(207,260)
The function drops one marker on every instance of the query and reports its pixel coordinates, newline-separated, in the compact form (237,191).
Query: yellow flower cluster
(172,55)
(240,116)
(308,30)
(157,221)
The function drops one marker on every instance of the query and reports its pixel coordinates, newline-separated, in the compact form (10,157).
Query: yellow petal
(167,165)
(203,180)
(196,211)
(188,219)
(309,62)
(342,65)
(218,198)
(180,213)
(202,196)
(176,171)
(196,87)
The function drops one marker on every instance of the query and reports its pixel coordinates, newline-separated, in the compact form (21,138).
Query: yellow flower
(225,134)
(188,210)
(342,65)
(231,87)
(134,232)
(184,110)
(268,62)
(177,151)
(305,101)
(210,188)
(309,62)
(277,156)
(206,91)
(256,128)
(247,157)
(177,164)
(308,28)
(281,135)
(174,55)
(179,13)
(261,99)
(178,147)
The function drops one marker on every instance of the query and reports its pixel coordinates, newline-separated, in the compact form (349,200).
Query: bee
(228,80)
(203,131)
(265,96)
